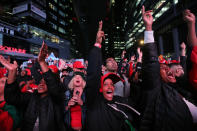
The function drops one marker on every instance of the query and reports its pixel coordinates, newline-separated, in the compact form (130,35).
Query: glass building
(37,20)
(169,27)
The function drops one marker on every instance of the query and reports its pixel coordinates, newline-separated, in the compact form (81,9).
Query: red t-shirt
(75,112)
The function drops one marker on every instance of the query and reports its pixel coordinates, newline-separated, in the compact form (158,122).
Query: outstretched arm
(53,84)
(94,68)
(190,20)
(192,40)
(150,64)
(12,69)
(42,56)
(182,56)
(12,92)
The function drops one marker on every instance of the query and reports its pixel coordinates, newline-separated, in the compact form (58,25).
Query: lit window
(61,30)
(163,10)
(113,2)
(134,13)
(54,17)
(52,7)
(36,32)
(55,39)
(126,2)
(138,1)
(62,22)
(176,1)
(61,5)
(159,4)
(53,25)
(61,13)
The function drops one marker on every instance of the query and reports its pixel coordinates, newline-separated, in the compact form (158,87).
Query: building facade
(169,27)
(30,22)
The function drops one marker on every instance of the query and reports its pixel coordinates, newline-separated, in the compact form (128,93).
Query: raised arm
(12,92)
(192,41)
(53,83)
(182,56)
(190,20)
(150,64)
(94,68)
(121,61)
(42,56)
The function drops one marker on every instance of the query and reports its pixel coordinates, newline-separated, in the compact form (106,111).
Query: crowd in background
(146,92)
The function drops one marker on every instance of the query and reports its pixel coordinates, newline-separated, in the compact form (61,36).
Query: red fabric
(33,86)
(2,104)
(174,62)
(6,121)
(130,69)
(53,68)
(163,61)
(75,112)
(24,89)
(78,64)
(193,71)
(2,72)
(28,72)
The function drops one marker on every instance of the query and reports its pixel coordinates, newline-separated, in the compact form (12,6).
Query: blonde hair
(70,85)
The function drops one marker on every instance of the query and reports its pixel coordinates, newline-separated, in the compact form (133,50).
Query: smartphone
(77,92)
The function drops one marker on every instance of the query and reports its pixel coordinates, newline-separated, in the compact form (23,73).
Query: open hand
(6,63)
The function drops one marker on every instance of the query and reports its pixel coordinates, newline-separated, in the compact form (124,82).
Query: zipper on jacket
(128,107)
(115,108)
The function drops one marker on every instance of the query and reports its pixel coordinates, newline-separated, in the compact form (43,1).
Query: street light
(141,42)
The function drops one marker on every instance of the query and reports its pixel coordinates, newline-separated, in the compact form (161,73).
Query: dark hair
(68,69)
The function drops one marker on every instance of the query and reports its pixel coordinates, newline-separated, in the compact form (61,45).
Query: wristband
(148,37)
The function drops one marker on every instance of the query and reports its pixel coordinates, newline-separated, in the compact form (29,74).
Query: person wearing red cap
(106,112)
(78,67)
(112,67)
(43,109)
(165,108)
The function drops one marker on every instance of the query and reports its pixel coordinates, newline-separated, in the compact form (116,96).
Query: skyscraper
(35,21)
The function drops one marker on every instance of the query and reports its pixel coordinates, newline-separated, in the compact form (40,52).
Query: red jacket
(6,121)
(193,71)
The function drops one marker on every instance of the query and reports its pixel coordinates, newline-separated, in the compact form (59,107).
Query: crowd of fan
(146,93)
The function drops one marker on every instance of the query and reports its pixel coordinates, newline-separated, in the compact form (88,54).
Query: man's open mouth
(109,91)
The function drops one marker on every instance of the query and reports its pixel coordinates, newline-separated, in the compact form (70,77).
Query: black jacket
(165,109)
(49,109)
(103,115)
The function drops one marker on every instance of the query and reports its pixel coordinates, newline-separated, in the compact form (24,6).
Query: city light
(141,42)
